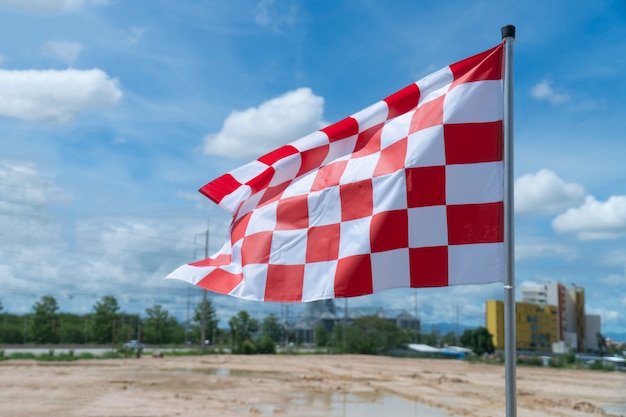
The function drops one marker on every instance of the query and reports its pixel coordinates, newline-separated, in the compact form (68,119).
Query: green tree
(601,342)
(12,329)
(450,339)
(272,328)
(71,328)
(479,340)
(428,338)
(242,326)
(321,336)
(104,318)
(159,326)
(265,344)
(369,335)
(211,322)
(44,320)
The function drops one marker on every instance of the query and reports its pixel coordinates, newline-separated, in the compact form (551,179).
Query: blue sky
(113,114)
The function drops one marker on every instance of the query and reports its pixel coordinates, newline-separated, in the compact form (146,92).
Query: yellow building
(536,325)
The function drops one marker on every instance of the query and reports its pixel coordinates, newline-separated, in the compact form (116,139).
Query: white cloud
(544,91)
(615,257)
(615,280)
(543,251)
(47,249)
(135,34)
(276,122)
(544,193)
(53,95)
(594,219)
(66,52)
(267,14)
(32,224)
(47,6)
(22,188)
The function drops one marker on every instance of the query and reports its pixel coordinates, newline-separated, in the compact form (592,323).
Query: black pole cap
(508,31)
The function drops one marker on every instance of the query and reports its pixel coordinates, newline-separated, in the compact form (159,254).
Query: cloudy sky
(113,114)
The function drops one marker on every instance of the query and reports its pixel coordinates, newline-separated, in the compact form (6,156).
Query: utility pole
(203,322)
(204,293)
(187,318)
(456,328)
(345,325)
(417,322)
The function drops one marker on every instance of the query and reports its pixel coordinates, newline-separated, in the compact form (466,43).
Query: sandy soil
(230,385)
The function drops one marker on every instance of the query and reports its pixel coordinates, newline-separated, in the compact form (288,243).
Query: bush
(266,345)
(86,355)
(599,366)
(249,348)
(23,355)
(530,360)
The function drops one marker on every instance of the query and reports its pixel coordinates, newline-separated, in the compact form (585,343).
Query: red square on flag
(389,230)
(356,200)
(273,193)
(368,142)
(427,115)
(470,143)
(426,186)
(391,158)
(322,243)
(284,283)
(292,213)
(312,159)
(354,276)
(475,223)
(255,249)
(221,281)
(329,175)
(429,266)
(238,228)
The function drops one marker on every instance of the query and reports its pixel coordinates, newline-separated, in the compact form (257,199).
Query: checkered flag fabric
(405,193)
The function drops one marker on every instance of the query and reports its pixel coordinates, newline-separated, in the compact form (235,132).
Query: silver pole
(510,354)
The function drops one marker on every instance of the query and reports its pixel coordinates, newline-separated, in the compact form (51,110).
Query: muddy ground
(233,385)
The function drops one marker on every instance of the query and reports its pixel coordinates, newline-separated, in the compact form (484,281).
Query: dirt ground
(232,385)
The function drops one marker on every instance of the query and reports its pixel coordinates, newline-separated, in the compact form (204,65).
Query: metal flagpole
(510,354)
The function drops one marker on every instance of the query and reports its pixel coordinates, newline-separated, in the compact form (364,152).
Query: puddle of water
(313,404)
(218,371)
(319,404)
(619,410)
(206,371)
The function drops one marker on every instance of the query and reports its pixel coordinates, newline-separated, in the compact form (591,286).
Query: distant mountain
(616,337)
(444,328)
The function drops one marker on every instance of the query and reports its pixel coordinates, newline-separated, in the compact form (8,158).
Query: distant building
(550,314)
(592,328)
(320,312)
(323,313)
(406,321)
(536,328)
(570,303)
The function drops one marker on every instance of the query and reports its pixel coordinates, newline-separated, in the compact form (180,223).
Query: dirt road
(232,385)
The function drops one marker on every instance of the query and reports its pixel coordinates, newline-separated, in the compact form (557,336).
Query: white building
(570,303)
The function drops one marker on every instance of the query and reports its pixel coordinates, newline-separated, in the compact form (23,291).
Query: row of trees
(106,324)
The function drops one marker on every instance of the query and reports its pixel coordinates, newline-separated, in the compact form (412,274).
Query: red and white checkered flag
(405,193)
